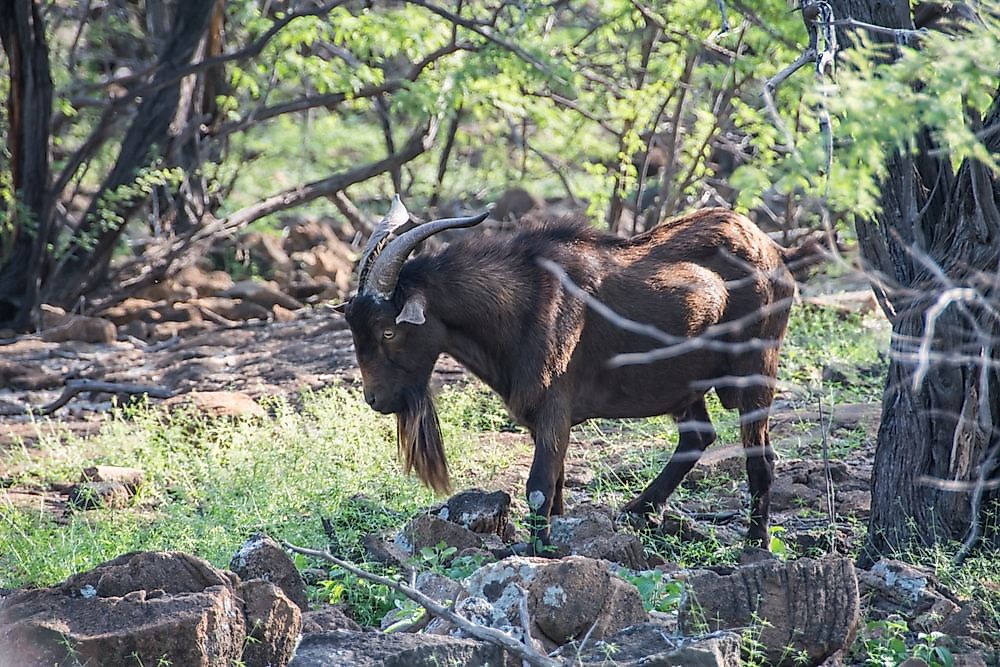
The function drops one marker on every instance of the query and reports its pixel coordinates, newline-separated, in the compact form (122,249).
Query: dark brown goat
(711,281)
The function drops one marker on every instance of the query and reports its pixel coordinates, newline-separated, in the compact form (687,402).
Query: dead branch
(491,635)
(74,387)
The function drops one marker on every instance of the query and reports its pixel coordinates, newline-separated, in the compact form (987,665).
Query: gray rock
(372,649)
(804,608)
(647,645)
(589,530)
(260,557)
(273,623)
(479,511)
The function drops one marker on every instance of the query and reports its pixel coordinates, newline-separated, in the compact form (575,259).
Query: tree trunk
(25,220)
(935,251)
(148,137)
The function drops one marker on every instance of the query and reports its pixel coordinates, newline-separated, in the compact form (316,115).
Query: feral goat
(711,282)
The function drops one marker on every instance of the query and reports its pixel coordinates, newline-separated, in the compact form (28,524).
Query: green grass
(210,484)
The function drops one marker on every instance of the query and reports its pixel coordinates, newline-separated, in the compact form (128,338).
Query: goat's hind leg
(696,434)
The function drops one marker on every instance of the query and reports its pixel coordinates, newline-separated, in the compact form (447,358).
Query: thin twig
(491,635)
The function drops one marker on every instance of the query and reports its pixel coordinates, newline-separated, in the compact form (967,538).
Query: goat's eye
(388,334)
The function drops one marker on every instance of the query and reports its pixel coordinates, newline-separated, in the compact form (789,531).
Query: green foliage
(658,594)
(889,642)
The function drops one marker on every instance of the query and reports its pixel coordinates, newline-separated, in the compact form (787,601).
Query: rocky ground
(216,345)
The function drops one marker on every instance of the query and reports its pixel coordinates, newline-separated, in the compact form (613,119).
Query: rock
(645,645)
(261,557)
(129,310)
(573,595)
(273,623)
(237,310)
(51,316)
(856,301)
(589,530)
(141,608)
(217,404)
(428,530)
(370,649)
(100,495)
(565,599)
(328,619)
(327,262)
(262,294)
(309,234)
(266,252)
(804,607)
(206,283)
(479,511)
(514,203)
(282,314)
(26,377)
(379,550)
(131,478)
(82,329)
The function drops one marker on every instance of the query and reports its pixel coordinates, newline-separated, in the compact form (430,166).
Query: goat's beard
(419,443)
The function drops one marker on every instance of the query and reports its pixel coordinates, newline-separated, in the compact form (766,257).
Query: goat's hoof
(636,520)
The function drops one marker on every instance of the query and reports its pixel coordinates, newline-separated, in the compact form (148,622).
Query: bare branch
(491,635)
(74,387)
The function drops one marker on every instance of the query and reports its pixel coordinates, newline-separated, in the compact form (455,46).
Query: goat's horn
(394,222)
(385,270)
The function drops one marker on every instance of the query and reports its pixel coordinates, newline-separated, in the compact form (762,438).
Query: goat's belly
(631,392)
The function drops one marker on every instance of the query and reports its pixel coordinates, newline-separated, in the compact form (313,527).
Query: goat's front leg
(544,490)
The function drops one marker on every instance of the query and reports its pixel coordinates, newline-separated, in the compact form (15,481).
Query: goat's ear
(413,310)
(342,307)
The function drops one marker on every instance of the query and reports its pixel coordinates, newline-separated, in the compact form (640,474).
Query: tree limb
(491,635)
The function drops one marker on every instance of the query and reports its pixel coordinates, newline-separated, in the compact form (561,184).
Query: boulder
(514,203)
(263,294)
(435,586)
(206,283)
(82,329)
(261,557)
(51,316)
(589,530)
(328,619)
(429,530)
(808,608)
(565,599)
(646,645)
(217,404)
(100,495)
(479,511)
(372,649)
(273,623)
(131,478)
(150,607)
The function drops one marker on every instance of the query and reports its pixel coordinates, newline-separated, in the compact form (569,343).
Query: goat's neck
(481,312)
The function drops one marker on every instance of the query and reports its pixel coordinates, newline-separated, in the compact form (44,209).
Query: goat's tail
(800,259)
(419,441)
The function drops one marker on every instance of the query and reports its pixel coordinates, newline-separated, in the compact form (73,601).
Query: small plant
(434,558)
(777,545)
(752,648)
(884,644)
(657,594)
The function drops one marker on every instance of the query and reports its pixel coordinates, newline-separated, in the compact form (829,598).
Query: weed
(658,594)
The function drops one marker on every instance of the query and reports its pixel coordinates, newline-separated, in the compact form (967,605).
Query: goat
(710,277)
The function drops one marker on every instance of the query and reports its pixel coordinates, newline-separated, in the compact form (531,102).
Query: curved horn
(385,270)
(393,222)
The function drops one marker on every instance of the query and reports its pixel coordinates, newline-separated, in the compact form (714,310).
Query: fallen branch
(74,387)
(491,635)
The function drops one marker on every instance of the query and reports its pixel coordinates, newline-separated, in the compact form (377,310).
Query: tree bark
(149,135)
(25,222)
(935,251)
